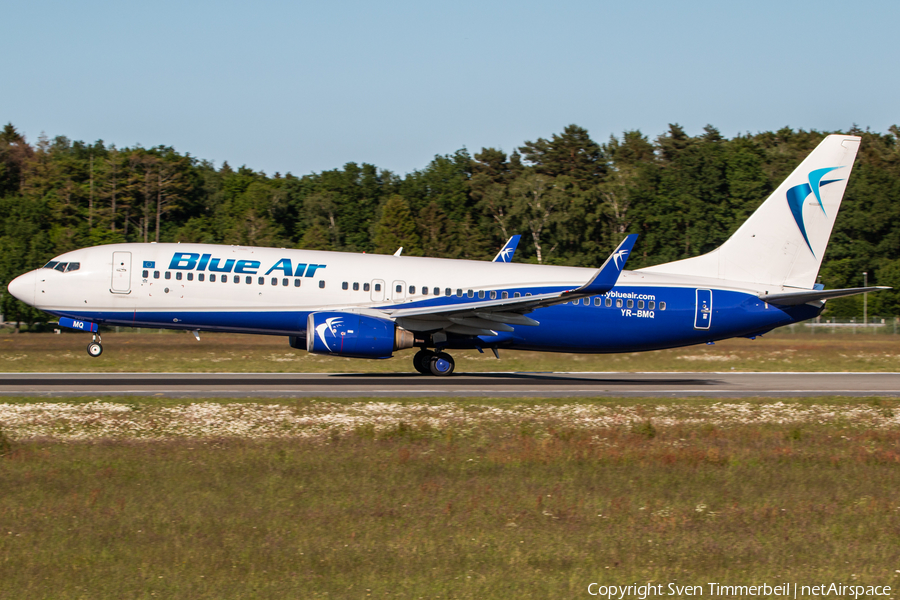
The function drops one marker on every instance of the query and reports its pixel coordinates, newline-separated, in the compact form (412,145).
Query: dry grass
(483,509)
(180,352)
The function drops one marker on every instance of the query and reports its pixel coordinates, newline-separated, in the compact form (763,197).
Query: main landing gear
(427,362)
(95,348)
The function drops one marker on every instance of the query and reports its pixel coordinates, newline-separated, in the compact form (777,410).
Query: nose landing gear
(95,348)
(427,362)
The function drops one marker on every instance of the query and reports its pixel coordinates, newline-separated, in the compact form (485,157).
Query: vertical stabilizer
(784,240)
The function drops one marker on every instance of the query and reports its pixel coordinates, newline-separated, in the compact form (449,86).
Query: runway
(402,385)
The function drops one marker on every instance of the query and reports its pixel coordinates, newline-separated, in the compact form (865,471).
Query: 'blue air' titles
(189,261)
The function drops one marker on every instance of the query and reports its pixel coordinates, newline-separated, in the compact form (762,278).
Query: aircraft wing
(485,317)
(508,250)
(804,296)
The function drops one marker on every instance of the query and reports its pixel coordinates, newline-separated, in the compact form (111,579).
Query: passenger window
(377,287)
(145,274)
(424,290)
(200,276)
(652,305)
(493,295)
(412,290)
(355,286)
(345,286)
(178,275)
(168,275)
(504,295)
(619,303)
(662,306)
(366,287)
(481,294)
(640,304)
(248,280)
(527,293)
(190,276)
(274,281)
(212,277)
(470,293)
(608,302)
(597,301)
(237,278)
(631,304)
(284,282)
(225,279)
(155,274)
(517,295)
(322,284)
(73,267)
(448,292)
(459,293)
(61,267)
(296,283)
(261,281)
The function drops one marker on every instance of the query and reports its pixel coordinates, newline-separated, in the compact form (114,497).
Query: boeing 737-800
(369,306)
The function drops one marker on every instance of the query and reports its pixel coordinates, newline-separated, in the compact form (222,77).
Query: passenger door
(121,273)
(703,310)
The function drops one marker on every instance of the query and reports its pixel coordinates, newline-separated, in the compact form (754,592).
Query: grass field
(149,498)
(150,351)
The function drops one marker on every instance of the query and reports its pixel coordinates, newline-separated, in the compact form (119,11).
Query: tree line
(570,197)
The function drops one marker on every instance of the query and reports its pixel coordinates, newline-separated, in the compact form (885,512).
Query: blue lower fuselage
(678,316)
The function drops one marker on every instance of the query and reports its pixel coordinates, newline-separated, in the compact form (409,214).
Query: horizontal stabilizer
(607,275)
(794,298)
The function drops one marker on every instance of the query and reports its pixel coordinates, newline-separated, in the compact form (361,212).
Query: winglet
(509,249)
(606,276)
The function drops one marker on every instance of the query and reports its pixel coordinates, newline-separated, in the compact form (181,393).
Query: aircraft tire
(441,364)
(95,349)
(422,360)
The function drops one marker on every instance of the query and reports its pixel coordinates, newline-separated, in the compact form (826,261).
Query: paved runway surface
(198,385)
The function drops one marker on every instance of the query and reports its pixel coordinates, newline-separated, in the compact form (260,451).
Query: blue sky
(307,86)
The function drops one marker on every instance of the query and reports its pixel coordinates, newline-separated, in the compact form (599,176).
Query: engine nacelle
(355,336)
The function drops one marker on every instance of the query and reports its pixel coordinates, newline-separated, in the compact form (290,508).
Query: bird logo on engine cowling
(331,325)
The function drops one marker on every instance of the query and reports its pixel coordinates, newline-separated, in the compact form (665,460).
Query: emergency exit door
(121,273)
(703,311)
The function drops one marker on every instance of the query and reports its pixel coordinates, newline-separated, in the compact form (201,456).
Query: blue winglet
(509,249)
(606,276)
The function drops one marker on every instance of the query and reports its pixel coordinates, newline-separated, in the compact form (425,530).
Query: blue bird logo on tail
(798,194)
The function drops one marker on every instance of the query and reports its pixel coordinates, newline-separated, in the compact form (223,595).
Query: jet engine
(355,336)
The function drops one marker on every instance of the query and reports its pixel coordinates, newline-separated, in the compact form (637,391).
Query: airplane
(370,306)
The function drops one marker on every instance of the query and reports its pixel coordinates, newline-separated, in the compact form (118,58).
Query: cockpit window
(61,267)
(51,264)
(73,266)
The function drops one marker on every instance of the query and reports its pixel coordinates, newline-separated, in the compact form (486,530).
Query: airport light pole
(865,298)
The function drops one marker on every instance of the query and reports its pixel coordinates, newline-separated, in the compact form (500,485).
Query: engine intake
(355,336)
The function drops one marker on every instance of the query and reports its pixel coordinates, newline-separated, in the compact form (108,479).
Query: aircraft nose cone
(22,287)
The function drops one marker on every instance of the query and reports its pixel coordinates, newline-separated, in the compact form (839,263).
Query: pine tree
(396,228)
